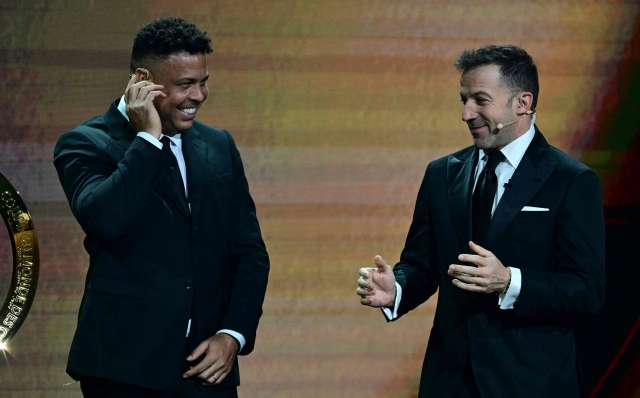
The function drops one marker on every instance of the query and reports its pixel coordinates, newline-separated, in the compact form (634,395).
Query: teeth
(188,111)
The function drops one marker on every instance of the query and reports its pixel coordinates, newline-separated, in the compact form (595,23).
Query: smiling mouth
(474,129)
(188,111)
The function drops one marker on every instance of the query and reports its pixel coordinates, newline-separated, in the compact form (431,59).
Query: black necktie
(174,172)
(484,195)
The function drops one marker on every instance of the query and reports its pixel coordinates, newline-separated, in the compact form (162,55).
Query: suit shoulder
(567,164)
(462,155)
(209,130)
(94,129)
(214,134)
(95,124)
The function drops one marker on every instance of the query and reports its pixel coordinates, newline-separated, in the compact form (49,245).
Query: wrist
(156,134)
(231,339)
(506,286)
(394,295)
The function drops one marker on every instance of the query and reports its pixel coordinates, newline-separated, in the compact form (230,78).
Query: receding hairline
(501,78)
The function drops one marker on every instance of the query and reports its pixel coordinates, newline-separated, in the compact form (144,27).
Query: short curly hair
(517,69)
(165,36)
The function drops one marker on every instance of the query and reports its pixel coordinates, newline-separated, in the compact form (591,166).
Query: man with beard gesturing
(510,231)
(178,268)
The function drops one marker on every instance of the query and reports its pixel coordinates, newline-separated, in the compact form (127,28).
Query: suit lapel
(195,153)
(532,172)
(460,172)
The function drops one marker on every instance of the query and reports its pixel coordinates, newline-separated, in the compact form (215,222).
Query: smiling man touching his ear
(178,268)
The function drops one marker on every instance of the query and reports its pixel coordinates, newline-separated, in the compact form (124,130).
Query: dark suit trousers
(468,386)
(93,387)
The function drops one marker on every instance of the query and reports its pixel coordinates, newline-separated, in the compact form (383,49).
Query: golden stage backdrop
(337,107)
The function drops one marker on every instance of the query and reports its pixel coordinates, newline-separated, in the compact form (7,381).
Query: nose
(199,93)
(468,112)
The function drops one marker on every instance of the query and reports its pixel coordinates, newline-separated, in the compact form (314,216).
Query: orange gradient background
(337,108)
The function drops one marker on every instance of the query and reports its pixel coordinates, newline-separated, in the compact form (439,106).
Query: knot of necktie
(495,157)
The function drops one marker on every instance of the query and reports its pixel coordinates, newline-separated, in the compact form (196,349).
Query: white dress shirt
(513,153)
(176,148)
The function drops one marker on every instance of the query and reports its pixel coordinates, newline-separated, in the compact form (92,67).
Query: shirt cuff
(151,139)
(387,311)
(507,299)
(235,335)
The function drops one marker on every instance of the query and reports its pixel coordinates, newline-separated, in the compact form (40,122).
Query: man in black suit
(178,268)
(511,232)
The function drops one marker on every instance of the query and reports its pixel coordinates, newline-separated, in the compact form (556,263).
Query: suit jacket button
(188,284)
(193,240)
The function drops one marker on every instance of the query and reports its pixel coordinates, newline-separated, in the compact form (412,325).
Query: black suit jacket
(153,265)
(528,351)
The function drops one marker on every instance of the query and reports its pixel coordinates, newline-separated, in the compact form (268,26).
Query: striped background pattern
(337,107)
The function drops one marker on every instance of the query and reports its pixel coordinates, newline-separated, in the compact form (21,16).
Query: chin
(183,126)
(481,143)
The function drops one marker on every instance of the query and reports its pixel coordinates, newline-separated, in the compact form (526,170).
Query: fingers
(220,355)
(472,280)
(142,113)
(469,287)
(366,301)
(468,275)
(214,374)
(489,277)
(364,293)
(470,258)
(379,262)
(141,92)
(365,272)
(365,288)
(137,92)
(206,362)
(126,90)
(363,283)
(216,377)
(463,270)
(195,354)
(376,286)
(479,250)
(201,349)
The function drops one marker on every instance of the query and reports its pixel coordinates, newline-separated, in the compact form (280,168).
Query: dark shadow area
(600,339)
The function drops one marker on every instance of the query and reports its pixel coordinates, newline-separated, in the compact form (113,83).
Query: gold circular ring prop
(26,261)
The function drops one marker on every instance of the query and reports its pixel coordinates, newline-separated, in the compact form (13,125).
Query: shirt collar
(122,107)
(514,151)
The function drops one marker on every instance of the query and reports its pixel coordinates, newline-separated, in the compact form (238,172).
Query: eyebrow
(479,93)
(193,80)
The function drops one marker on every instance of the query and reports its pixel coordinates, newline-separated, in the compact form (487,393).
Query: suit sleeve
(415,273)
(577,284)
(248,260)
(104,196)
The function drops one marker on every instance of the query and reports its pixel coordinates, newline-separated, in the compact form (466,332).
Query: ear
(142,74)
(525,103)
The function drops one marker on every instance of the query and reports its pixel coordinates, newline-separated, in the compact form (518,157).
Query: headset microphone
(500,126)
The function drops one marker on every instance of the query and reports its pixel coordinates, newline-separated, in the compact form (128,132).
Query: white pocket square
(531,208)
